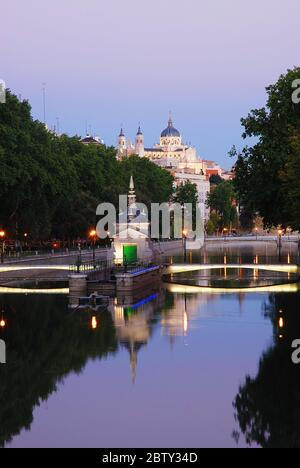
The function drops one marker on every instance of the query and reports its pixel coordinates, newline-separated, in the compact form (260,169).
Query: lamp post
(2,237)
(280,232)
(93,236)
(225,230)
(256,231)
(184,234)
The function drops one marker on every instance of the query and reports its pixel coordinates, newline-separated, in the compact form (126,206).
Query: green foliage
(186,193)
(215,179)
(220,201)
(247,219)
(42,349)
(267,406)
(51,186)
(259,182)
(153,184)
(213,224)
(291,182)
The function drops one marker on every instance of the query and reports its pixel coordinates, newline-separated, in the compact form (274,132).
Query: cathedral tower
(139,143)
(122,141)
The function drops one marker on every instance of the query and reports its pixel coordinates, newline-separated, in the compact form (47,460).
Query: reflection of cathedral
(134,323)
(133,327)
(174,155)
(178,318)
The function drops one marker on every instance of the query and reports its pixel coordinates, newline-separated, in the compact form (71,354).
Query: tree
(247,219)
(51,186)
(215,179)
(291,182)
(213,224)
(259,183)
(186,193)
(221,201)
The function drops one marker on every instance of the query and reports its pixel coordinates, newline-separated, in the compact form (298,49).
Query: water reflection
(201,346)
(267,406)
(45,342)
(134,323)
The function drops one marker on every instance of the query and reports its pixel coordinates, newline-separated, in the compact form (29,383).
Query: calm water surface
(161,370)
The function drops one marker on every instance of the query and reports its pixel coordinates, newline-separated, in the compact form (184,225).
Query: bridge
(92,270)
(190,289)
(187,268)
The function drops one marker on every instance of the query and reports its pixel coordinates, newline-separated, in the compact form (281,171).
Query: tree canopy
(221,202)
(265,172)
(51,185)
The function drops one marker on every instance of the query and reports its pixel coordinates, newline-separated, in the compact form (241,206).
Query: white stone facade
(175,156)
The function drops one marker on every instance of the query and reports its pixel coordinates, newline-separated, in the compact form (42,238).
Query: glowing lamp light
(185,232)
(2,323)
(280,232)
(94,323)
(2,234)
(93,233)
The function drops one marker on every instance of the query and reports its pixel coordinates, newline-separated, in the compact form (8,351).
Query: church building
(174,155)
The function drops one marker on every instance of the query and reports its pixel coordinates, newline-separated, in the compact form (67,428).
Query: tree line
(51,185)
(267,181)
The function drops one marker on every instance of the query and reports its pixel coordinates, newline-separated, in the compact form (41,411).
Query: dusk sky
(121,62)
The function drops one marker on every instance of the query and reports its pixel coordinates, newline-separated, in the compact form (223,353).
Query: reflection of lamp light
(281,322)
(94,322)
(185,323)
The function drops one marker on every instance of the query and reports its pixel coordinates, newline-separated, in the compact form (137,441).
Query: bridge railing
(91,267)
(234,259)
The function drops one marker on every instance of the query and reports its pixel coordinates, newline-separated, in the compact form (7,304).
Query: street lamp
(280,232)
(185,234)
(256,230)
(225,230)
(93,236)
(2,236)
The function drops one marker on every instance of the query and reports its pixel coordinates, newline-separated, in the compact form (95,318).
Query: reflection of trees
(45,342)
(268,406)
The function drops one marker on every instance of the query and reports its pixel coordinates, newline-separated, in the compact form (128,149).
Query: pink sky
(117,62)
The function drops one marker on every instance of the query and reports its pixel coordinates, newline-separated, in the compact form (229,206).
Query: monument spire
(131,200)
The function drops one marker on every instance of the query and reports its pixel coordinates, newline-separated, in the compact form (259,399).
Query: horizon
(208,64)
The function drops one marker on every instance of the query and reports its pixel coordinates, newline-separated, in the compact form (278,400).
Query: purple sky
(117,62)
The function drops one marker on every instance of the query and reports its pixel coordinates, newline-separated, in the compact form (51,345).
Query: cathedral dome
(170,131)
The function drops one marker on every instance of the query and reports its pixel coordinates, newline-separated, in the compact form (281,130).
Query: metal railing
(115,265)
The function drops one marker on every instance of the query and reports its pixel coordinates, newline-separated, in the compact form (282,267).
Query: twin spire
(139,132)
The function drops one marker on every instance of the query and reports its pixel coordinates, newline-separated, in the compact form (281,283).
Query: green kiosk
(130,254)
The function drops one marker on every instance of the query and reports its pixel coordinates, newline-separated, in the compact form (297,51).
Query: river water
(167,368)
